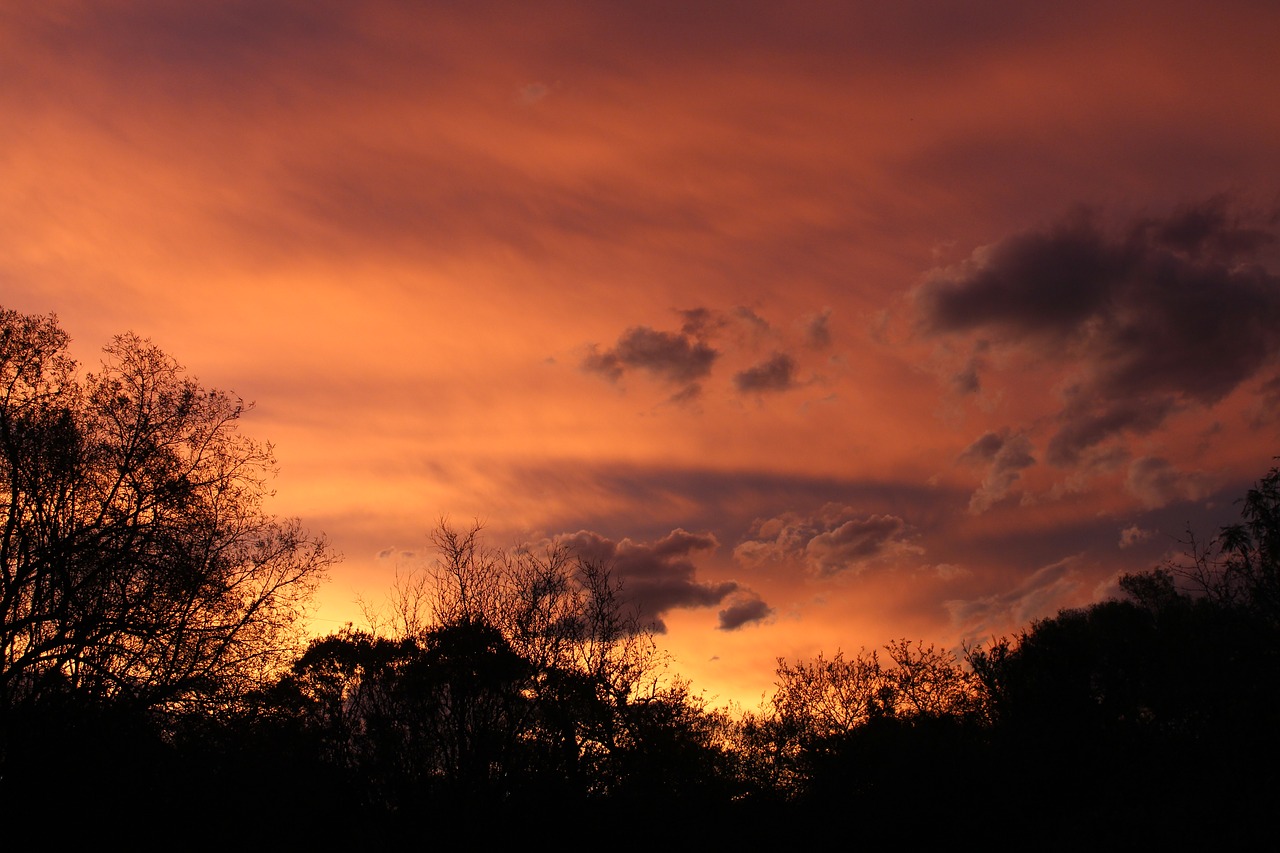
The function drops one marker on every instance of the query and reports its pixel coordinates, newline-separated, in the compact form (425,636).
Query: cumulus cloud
(1156,482)
(967,380)
(744,611)
(853,542)
(672,356)
(776,373)
(1158,315)
(837,539)
(817,332)
(656,576)
(686,357)
(984,449)
(678,358)
(699,322)
(1005,457)
(1133,534)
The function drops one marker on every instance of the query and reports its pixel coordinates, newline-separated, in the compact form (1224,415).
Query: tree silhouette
(1130,712)
(509,682)
(1240,567)
(136,562)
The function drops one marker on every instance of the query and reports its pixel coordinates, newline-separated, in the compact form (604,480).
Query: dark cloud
(688,355)
(1039,283)
(817,332)
(687,394)
(777,373)
(853,542)
(1133,534)
(1208,229)
(699,322)
(1164,313)
(1156,482)
(753,321)
(967,380)
(836,539)
(606,363)
(744,612)
(670,356)
(984,449)
(656,577)
(1006,457)
(1086,422)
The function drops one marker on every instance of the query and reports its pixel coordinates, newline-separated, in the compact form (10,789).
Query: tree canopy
(137,561)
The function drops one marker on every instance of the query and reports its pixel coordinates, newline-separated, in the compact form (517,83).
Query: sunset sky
(828,323)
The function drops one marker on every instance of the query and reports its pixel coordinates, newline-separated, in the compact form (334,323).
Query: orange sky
(916,320)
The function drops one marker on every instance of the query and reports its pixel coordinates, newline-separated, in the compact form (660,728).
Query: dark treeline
(155,686)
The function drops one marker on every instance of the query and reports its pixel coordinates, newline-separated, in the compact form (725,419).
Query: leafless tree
(136,559)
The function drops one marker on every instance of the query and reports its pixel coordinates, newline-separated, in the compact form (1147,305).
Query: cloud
(777,373)
(388,553)
(1044,592)
(1148,318)
(687,394)
(837,539)
(853,542)
(968,380)
(817,332)
(686,356)
(532,93)
(1087,422)
(1133,534)
(1266,406)
(1155,482)
(984,449)
(1006,457)
(656,577)
(673,357)
(757,324)
(700,322)
(742,612)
